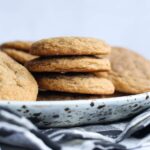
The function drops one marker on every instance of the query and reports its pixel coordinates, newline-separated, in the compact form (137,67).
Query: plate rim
(102,100)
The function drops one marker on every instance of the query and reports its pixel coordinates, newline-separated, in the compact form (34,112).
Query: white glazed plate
(80,112)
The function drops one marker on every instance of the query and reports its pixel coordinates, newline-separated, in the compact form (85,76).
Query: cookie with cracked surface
(75,83)
(20,56)
(70,46)
(69,64)
(16,82)
(130,71)
(19,45)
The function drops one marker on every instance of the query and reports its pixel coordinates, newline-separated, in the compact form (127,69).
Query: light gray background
(119,22)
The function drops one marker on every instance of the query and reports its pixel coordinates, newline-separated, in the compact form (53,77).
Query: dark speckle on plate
(37,114)
(67,109)
(100,106)
(55,116)
(26,111)
(92,104)
(24,107)
(137,108)
(135,105)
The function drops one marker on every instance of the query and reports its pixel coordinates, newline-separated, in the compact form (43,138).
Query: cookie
(16,82)
(19,45)
(130,71)
(75,83)
(20,56)
(69,64)
(102,74)
(70,46)
(61,96)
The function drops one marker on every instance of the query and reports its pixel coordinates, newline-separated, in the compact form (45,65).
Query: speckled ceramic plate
(80,112)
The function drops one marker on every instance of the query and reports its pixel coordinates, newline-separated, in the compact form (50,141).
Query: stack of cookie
(18,50)
(69,64)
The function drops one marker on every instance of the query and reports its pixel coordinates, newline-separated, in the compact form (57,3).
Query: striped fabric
(16,130)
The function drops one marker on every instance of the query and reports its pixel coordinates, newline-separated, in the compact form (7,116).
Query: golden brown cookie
(75,83)
(61,96)
(130,71)
(16,82)
(69,64)
(19,45)
(102,74)
(19,56)
(70,46)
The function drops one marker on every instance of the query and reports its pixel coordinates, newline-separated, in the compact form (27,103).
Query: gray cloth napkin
(18,131)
